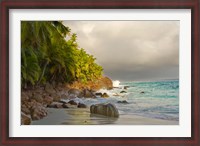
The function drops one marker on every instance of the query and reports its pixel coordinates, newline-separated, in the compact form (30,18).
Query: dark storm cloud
(131,50)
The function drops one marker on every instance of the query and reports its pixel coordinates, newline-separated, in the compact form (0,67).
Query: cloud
(131,50)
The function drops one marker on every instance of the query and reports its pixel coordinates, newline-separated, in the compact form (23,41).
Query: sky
(131,50)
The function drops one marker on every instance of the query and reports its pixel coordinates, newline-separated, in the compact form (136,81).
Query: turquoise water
(155,99)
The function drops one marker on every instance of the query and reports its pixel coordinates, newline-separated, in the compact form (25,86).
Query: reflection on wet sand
(83,117)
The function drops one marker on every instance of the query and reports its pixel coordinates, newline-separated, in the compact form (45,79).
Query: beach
(76,116)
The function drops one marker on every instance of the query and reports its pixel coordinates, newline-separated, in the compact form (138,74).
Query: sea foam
(116,83)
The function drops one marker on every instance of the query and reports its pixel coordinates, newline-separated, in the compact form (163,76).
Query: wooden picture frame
(194,5)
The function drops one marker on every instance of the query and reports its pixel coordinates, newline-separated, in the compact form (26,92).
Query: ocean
(152,99)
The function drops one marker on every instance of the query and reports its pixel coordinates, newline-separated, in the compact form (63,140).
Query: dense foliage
(47,56)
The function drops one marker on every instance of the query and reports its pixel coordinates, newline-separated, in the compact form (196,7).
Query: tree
(47,56)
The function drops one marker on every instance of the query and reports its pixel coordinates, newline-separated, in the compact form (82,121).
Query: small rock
(72,102)
(123,92)
(35,116)
(124,101)
(51,106)
(105,95)
(55,105)
(58,106)
(142,92)
(48,100)
(126,87)
(81,105)
(98,94)
(65,106)
(63,102)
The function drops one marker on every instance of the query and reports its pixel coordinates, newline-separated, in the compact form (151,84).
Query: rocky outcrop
(105,82)
(34,101)
(106,109)
(100,83)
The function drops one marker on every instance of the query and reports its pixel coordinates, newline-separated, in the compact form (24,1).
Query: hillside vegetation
(50,53)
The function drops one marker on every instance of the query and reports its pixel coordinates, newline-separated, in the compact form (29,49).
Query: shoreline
(75,116)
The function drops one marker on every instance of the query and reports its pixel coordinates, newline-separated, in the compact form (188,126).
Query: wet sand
(77,116)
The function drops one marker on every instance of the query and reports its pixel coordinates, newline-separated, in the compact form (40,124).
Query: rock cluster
(34,103)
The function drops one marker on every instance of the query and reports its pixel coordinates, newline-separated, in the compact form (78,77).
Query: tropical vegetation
(50,53)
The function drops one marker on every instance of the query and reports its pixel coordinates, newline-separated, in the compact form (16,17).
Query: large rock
(106,83)
(25,119)
(106,109)
(75,92)
(88,94)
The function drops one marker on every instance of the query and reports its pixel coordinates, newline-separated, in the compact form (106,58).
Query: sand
(76,116)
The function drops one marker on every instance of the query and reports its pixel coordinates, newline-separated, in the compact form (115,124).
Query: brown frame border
(194,5)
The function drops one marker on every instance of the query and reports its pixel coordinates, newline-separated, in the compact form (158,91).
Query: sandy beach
(76,116)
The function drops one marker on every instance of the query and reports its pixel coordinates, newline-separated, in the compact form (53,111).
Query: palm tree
(40,36)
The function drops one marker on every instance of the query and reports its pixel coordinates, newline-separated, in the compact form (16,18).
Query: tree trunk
(43,71)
